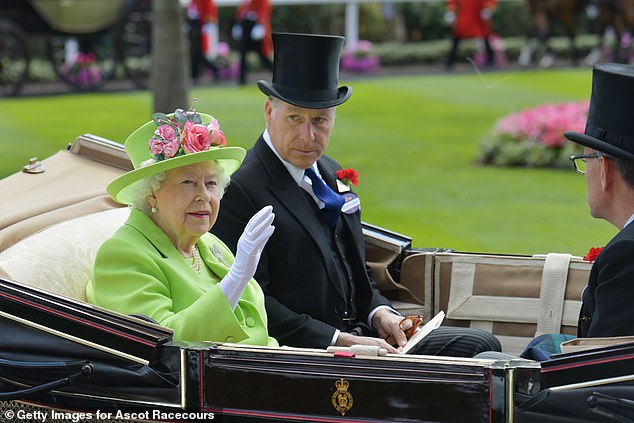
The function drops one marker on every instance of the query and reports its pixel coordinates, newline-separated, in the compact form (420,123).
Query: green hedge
(435,51)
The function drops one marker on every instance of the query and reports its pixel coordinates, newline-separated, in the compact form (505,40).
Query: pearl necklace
(197,263)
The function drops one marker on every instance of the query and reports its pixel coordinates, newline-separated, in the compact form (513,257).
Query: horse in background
(614,25)
(543,12)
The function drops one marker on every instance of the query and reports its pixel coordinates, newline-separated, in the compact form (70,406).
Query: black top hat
(306,70)
(610,125)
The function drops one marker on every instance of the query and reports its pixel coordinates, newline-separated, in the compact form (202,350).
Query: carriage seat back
(59,259)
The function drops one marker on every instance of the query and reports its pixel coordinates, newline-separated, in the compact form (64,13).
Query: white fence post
(352,24)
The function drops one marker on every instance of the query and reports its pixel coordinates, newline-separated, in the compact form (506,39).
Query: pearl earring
(153,209)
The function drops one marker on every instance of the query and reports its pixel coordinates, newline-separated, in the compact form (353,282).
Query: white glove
(450,17)
(250,246)
(485,14)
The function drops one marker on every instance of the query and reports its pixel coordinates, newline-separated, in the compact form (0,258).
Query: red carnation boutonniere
(593,254)
(348,176)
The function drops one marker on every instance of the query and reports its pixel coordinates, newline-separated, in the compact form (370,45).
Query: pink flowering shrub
(227,63)
(84,72)
(535,136)
(361,58)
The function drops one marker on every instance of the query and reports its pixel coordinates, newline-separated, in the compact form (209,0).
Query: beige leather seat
(59,258)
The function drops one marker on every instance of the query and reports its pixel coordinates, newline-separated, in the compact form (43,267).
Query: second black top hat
(610,126)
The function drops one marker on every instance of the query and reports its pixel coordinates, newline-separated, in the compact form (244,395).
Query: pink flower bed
(535,136)
(545,124)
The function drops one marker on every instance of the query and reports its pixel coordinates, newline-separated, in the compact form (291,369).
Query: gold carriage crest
(342,399)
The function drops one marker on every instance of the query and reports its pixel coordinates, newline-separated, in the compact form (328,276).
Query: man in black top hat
(317,289)
(608,164)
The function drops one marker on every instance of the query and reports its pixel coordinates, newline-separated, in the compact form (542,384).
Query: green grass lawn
(413,140)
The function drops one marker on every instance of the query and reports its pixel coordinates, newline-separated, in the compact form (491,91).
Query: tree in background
(170,58)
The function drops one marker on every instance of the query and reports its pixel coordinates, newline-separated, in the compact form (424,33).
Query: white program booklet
(423,332)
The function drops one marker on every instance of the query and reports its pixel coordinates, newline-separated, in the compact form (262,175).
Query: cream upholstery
(59,258)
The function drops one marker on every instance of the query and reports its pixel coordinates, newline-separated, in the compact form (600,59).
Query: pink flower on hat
(195,138)
(170,149)
(156,146)
(217,136)
(166,132)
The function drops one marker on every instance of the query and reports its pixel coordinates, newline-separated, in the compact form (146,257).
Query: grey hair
(625,168)
(146,187)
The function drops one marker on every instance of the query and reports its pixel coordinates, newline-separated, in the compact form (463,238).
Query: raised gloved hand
(250,245)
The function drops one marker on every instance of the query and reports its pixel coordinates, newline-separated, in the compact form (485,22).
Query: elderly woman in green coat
(163,263)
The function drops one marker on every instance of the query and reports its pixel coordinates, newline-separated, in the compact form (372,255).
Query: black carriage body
(269,384)
(595,385)
(138,368)
(45,338)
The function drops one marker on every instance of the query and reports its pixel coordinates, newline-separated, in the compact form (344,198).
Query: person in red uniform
(253,30)
(202,17)
(470,19)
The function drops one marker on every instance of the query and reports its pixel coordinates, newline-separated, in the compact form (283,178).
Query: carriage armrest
(582,344)
(101,150)
(385,239)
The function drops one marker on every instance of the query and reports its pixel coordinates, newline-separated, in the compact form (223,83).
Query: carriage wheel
(135,46)
(14,59)
(85,62)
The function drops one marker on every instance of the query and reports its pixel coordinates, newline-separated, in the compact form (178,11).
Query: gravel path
(60,88)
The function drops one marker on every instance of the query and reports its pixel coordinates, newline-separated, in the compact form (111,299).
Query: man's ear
(268,109)
(608,173)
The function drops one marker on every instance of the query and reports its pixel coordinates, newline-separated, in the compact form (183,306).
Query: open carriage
(84,40)
(63,357)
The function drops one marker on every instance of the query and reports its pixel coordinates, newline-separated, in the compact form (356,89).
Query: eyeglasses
(579,161)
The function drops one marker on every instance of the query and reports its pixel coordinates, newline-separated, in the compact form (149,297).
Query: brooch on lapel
(216,250)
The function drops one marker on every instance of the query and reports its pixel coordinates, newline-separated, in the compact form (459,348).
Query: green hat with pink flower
(169,141)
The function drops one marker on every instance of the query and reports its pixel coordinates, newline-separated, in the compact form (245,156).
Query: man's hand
(387,325)
(347,339)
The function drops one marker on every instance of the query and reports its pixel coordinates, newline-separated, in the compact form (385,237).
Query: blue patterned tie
(331,199)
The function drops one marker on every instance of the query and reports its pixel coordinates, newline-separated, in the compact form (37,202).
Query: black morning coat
(297,270)
(608,300)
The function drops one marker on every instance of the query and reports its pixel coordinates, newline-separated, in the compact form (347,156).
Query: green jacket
(139,271)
